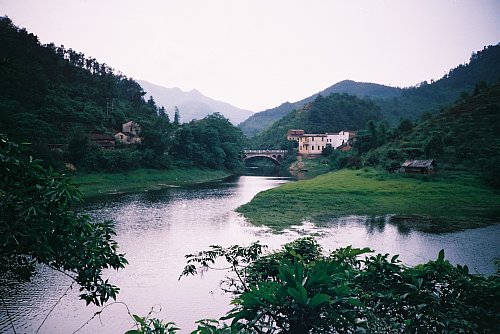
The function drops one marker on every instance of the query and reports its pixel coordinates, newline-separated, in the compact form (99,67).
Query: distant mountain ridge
(326,114)
(397,103)
(192,104)
(264,119)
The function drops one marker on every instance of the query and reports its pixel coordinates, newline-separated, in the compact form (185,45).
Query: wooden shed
(418,166)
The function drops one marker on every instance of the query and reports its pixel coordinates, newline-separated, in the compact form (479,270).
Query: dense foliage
(48,92)
(212,142)
(332,113)
(40,224)
(301,290)
(464,136)
(58,99)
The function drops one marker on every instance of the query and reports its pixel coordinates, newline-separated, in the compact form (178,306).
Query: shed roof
(418,163)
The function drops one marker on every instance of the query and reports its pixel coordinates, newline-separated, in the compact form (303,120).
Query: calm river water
(156,229)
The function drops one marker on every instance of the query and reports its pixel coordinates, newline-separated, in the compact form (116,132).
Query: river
(156,229)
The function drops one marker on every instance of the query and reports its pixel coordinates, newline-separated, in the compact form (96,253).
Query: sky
(257,54)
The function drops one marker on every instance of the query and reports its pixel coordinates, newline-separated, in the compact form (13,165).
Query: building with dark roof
(418,167)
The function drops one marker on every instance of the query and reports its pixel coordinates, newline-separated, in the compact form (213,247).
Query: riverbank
(441,203)
(98,184)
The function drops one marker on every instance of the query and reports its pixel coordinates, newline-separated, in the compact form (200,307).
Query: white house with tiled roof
(314,144)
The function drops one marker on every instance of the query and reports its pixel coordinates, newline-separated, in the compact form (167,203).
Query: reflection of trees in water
(375,224)
(406,224)
(403,226)
(263,170)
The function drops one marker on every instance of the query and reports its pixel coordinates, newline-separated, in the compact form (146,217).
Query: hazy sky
(256,54)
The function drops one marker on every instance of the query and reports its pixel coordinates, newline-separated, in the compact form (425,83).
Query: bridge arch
(273,159)
(276,156)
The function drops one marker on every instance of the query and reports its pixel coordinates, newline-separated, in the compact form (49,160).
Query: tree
(381,134)
(177,117)
(210,142)
(39,223)
(363,142)
(163,114)
(405,126)
(328,151)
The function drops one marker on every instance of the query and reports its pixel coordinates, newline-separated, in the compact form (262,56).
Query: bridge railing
(265,151)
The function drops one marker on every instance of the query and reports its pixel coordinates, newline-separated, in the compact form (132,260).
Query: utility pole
(110,106)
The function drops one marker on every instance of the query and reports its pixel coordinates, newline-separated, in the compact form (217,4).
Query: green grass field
(98,184)
(450,202)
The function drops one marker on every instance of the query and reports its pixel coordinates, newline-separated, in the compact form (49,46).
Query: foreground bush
(301,290)
(40,224)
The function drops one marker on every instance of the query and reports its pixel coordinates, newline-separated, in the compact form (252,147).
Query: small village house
(314,144)
(129,134)
(418,167)
(103,140)
(131,128)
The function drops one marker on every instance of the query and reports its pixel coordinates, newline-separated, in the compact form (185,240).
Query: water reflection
(157,228)
(375,224)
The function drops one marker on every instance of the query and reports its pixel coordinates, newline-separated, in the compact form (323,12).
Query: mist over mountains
(399,103)
(192,104)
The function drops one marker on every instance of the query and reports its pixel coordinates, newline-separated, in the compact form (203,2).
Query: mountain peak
(262,120)
(192,104)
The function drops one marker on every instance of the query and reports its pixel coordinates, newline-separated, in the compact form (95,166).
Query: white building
(130,134)
(314,144)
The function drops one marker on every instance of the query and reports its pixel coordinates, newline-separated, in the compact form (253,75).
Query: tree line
(57,97)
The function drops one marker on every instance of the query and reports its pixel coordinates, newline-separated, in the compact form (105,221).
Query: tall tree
(177,116)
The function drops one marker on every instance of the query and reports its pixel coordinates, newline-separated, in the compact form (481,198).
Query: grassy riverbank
(442,202)
(97,184)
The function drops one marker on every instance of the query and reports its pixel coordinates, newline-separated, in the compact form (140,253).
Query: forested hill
(396,103)
(483,67)
(62,102)
(465,136)
(332,113)
(49,92)
(264,119)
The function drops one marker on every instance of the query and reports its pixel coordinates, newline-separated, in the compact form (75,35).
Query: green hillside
(263,120)
(332,113)
(47,92)
(465,136)
(62,102)
(397,103)
(483,67)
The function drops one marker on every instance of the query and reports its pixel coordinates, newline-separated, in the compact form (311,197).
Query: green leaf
(319,299)
(299,294)
(441,256)
(286,275)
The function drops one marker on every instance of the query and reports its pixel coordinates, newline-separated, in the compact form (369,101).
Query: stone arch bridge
(276,156)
